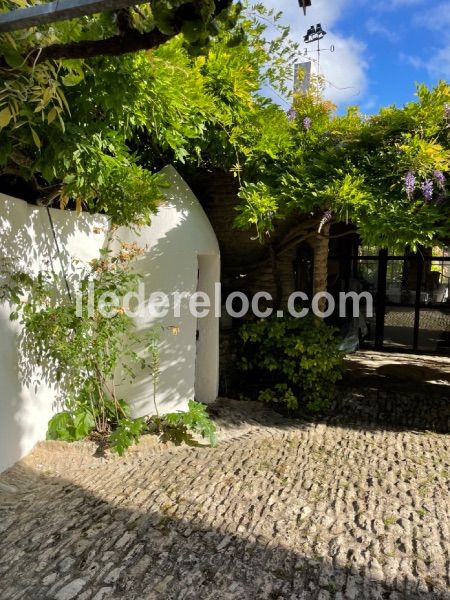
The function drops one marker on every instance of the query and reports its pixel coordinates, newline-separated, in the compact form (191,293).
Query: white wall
(26,237)
(178,235)
(207,361)
(179,241)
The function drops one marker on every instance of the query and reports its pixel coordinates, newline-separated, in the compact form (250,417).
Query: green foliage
(247,132)
(259,208)
(296,361)
(70,427)
(93,132)
(85,414)
(80,352)
(196,419)
(176,426)
(103,177)
(281,393)
(195,20)
(127,432)
(355,166)
(71,126)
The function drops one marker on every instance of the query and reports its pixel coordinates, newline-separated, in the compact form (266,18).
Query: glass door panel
(436,281)
(402,275)
(399,327)
(434,331)
(411,298)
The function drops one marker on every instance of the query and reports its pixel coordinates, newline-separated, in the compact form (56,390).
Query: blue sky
(381,48)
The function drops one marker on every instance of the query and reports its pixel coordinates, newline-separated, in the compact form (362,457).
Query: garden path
(281,509)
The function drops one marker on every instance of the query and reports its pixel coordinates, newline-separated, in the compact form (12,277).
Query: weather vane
(316,34)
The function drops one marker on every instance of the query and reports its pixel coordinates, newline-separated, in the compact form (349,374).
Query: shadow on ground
(60,541)
(387,391)
(395,391)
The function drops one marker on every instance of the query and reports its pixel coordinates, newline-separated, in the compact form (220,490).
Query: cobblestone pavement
(281,509)
(404,390)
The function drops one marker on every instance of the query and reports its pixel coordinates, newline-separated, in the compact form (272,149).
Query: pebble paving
(281,509)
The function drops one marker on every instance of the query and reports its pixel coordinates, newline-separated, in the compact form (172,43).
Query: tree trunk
(321,246)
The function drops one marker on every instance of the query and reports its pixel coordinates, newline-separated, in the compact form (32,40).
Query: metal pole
(418,302)
(381,299)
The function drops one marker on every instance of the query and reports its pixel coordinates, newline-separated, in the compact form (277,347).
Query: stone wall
(247,263)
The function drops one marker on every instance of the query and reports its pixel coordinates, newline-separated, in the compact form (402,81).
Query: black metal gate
(411,296)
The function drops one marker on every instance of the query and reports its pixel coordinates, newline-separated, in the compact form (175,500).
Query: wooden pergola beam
(60,10)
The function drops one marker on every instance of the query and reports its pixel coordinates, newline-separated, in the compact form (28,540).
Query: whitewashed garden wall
(182,255)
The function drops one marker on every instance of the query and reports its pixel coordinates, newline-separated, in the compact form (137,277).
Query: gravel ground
(281,509)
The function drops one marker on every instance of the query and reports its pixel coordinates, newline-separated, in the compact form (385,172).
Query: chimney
(302,76)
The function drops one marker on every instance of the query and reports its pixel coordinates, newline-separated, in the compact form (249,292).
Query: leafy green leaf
(61,427)
(12,57)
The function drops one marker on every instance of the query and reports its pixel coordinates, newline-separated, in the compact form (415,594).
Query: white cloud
(374,27)
(415,61)
(346,68)
(439,63)
(435,19)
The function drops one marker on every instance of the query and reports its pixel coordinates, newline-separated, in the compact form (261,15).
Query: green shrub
(196,419)
(127,432)
(296,361)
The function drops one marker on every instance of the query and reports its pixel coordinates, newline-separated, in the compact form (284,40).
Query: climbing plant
(386,174)
(78,346)
(87,119)
(88,116)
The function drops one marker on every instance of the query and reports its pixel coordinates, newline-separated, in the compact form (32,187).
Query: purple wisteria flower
(292,114)
(439,178)
(427,190)
(410,183)
(307,122)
